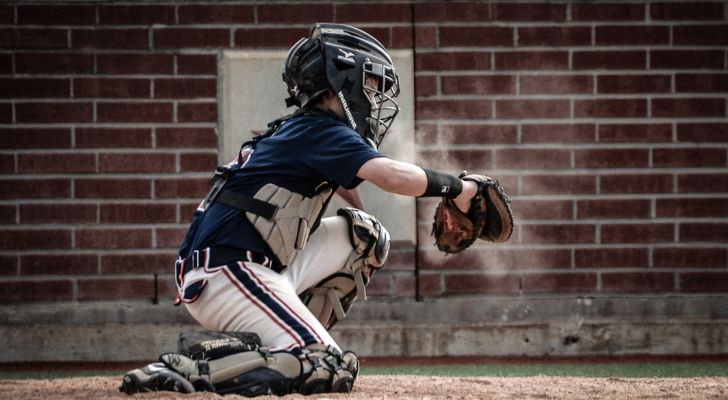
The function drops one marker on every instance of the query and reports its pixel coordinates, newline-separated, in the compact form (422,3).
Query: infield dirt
(410,387)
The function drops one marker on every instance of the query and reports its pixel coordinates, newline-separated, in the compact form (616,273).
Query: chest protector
(287,231)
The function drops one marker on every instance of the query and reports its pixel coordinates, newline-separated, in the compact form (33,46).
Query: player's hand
(470,188)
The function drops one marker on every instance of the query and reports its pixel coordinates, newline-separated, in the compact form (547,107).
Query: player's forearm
(394,176)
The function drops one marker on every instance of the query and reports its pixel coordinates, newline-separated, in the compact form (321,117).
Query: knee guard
(315,369)
(331,298)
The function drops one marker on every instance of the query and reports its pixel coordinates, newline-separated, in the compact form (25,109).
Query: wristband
(441,185)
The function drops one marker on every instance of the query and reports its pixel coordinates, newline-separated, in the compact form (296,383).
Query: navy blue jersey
(304,152)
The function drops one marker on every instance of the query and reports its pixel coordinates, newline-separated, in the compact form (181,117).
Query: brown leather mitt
(489,218)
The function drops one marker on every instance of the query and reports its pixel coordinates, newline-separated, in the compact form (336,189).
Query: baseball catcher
(262,271)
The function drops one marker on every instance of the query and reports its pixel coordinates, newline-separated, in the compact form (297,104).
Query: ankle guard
(332,298)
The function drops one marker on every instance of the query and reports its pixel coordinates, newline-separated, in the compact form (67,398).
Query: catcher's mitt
(489,218)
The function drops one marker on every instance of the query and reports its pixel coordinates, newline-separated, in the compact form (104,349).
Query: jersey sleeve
(338,154)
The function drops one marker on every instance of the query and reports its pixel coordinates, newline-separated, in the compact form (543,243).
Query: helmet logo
(347,111)
(346,56)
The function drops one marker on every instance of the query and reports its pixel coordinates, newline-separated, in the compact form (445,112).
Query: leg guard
(331,298)
(154,377)
(315,369)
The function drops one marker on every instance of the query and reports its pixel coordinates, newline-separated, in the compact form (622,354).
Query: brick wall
(605,121)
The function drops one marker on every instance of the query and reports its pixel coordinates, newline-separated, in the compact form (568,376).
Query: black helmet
(342,57)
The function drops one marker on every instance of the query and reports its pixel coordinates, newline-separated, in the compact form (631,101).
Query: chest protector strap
(286,232)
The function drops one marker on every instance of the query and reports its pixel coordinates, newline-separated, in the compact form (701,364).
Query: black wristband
(442,185)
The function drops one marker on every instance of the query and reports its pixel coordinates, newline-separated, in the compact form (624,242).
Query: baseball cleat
(154,377)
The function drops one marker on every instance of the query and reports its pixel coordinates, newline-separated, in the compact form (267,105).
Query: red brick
(532,159)
(186,137)
(197,162)
(181,187)
(465,159)
(639,282)
(6,113)
(635,183)
(481,283)
(453,109)
(197,112)
(608,209)
(451,61)
(56,163)
(372,12)
(695,208)
(688,108)
(478,84)
(425,36)
(425,86)
(111,289)
(35,138)
(556,84)
(557,133)
(430,284)
(7,164)
(607,12)
(34,88)
(135,63)
(268,37)
(476,36)
(702,183)
(174,38)
(701,35)
(455,11)
(25,188)
(381,285)
(635,133)
(110,39)
(19,38)
(701,83)
(294,13)
(172,238)
(469,260)
(688,157)
(59,264)
(6,64)
(185,88)
(9,215)
(53,112)
(602,59)
(35,239)
(531,109)
(542,209)
(611,158)
(113,137)
(558,233)
(404,286)
(58,214)
(223,14)
(637,233)
(529,258)
(531,60)
(687,11)
(138,213)
(113,239)
(187,211)
(704,232)
(136,162)
(56,15)
(610,108)
(559,282)
(26,291)
(137,263)
(686,59)
(634,84)
(112,14)
(691,257)
(558,184)
(134,112)
(632,35)
(704,282)
(606,257)
(529,12)
(702,132)
(54,63)
(111,88)
(205,64)
(554,36)
(7,14)
(112,188)
(479,134)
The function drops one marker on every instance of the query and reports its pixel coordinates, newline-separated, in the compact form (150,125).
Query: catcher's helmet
(342,57)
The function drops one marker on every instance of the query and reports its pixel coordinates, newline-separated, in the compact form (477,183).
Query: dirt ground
(371,387)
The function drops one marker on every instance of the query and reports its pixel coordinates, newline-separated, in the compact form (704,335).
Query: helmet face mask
(356,67)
